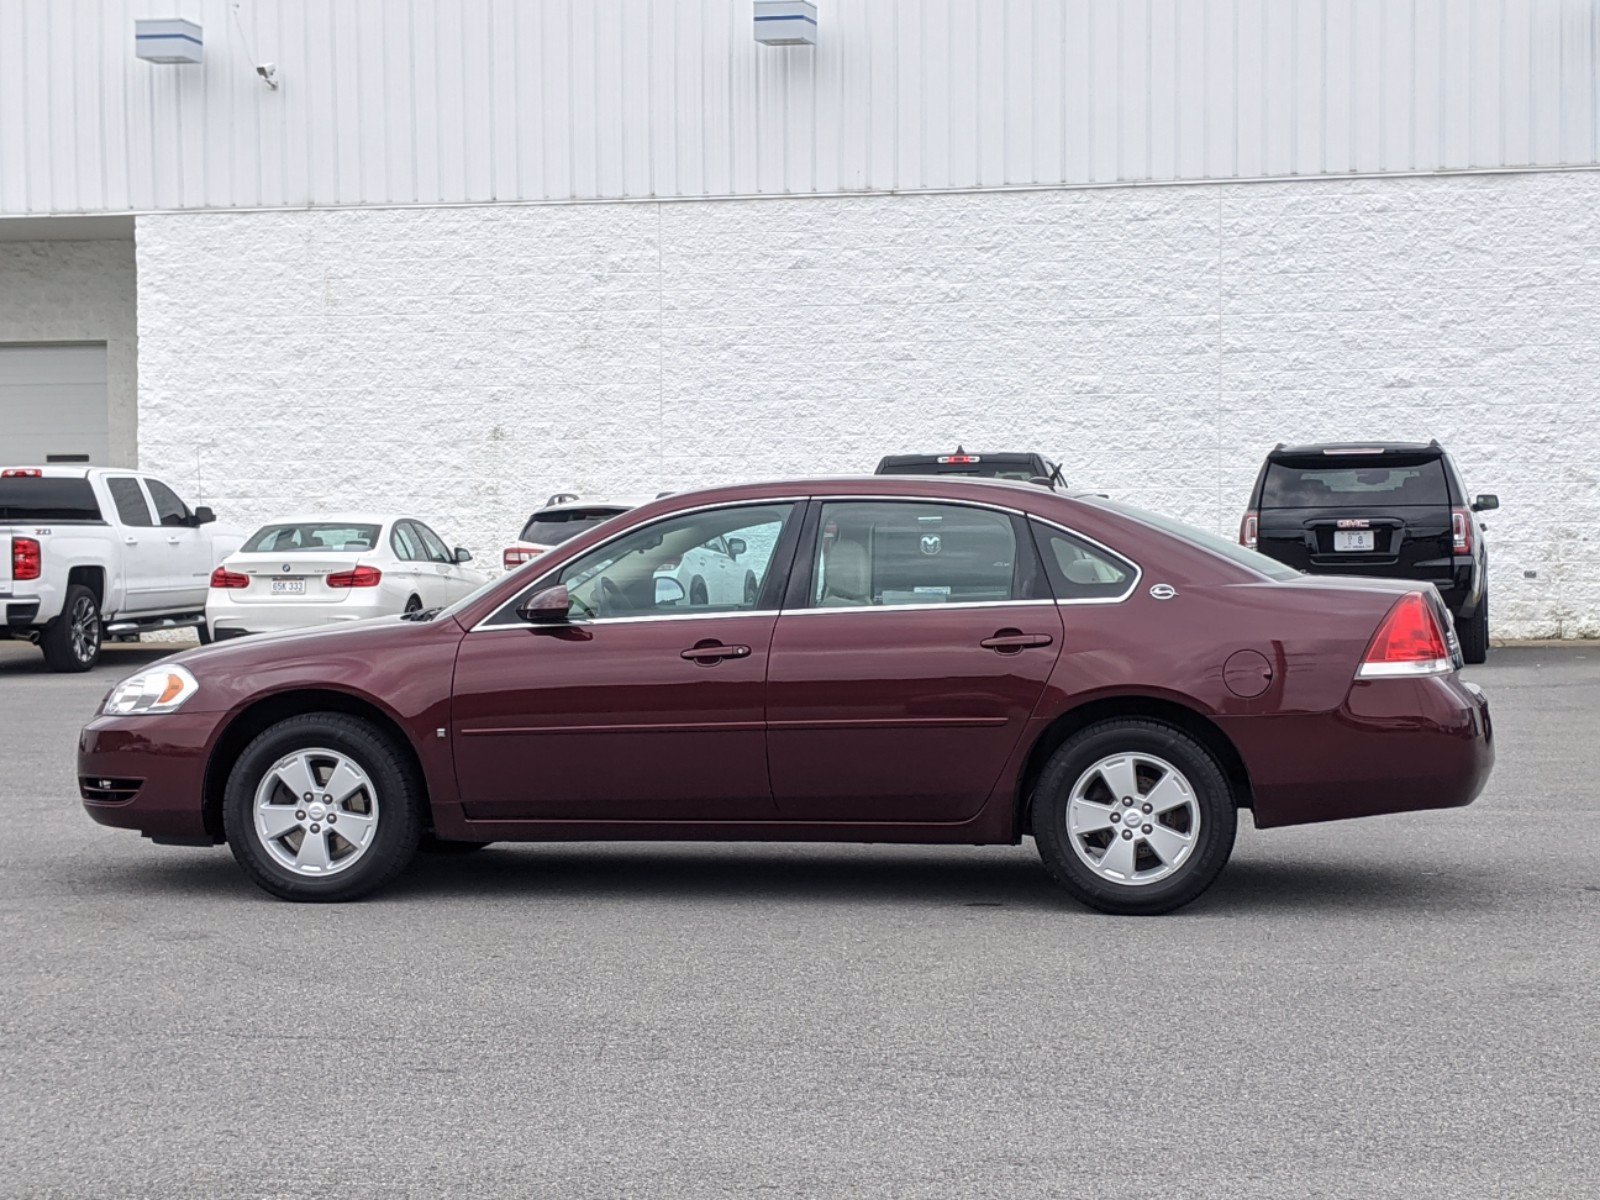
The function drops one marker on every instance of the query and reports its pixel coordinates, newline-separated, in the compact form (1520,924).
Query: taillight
(515,556)
(360,577)
(1249,528)
(25,558)
(21,473)
(1409,642)
(1461,531)
(224,578)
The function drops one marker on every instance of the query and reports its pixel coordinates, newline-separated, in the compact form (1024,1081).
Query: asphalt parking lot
(1397,1007)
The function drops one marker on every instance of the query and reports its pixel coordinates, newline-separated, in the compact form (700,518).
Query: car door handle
(710,653)
(1008,641)
(130,541)
(172,541)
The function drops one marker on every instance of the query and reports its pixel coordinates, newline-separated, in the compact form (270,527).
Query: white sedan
(321,570)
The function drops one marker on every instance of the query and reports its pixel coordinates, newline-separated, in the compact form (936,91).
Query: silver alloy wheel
(1133,819)
(85,629)
(316,812)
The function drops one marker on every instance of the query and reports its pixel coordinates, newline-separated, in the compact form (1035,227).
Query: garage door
(53,404)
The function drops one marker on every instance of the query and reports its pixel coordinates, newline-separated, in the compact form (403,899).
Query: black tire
(400,802)
(698,596)
(1474,633)
(203,632)
(72,641)
(414,604)
(752,589)
(1213,798)
(432,843)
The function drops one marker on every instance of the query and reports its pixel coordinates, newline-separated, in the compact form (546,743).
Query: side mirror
(1485,503)
(547,607)
(736,547)
(668,592)
(203,516)
(463,554)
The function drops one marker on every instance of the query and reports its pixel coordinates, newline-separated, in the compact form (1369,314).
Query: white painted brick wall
(78,292)
(463,363)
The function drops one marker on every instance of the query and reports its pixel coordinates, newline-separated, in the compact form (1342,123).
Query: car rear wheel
(322,807)
(698,596)
(1474,633)
(72,641)
(1133,817)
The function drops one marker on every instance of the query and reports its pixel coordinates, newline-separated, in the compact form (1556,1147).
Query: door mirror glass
(668,591)
(1485,503)
(463,555)
(547,607)
(736,547)
(203,515)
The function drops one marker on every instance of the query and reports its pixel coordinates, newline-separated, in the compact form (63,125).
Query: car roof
(345,518)
(1314,448)
(1008,493)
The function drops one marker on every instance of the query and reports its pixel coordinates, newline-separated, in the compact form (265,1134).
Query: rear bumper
(148,774)
(1396,745)
(227,619)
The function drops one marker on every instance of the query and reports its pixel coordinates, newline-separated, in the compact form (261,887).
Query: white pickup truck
(87,552)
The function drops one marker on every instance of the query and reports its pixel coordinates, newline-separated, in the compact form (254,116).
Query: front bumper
(148,774)
(1396,745)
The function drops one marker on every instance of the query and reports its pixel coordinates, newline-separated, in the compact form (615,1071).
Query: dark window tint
(1081,571)
(432,544)
(271,539)
(553,528)
(1334,483)
(169,509)
(26,498)
(980,470)
(1220,546)
(887,552)
(129,499)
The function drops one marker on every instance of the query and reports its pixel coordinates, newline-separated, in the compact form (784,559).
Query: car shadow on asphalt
(115,661)
(752,873)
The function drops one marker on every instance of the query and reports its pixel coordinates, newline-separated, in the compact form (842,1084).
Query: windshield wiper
(422,614)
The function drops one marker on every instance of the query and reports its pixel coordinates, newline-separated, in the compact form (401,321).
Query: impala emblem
(932,543)
(1163,591)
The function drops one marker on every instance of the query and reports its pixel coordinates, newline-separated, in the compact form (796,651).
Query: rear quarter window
(29,498)
(1329,483)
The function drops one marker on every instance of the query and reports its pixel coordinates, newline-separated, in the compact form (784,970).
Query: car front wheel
(323,807)
(1133,817)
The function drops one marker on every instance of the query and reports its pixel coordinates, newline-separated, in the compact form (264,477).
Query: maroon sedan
(919,660)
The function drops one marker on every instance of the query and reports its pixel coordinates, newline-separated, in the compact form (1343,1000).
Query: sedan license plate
(288,587)
(1355,540)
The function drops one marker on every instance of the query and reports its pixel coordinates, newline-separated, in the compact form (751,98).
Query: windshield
(32,498)
(1383,482)
(1231,550)
(311,537)
(553,528)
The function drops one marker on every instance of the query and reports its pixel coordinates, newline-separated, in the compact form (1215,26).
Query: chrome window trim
(581,622)
(484,625)
(932,606)
(1138,570)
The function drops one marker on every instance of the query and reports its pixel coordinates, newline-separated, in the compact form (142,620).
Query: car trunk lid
(290,576)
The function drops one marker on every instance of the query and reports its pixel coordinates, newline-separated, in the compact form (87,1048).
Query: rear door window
(128,496)
(878,553)
(407,545)
(1374,483)
(44,498)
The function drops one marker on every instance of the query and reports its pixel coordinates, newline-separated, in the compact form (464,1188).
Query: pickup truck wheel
(323,807)
(72,641)
(1133,817)
(1474,633)
(203,632)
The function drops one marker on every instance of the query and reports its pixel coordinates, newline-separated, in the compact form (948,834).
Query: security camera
(269,74)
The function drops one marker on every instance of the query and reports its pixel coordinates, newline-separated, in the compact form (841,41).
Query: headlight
(157,690)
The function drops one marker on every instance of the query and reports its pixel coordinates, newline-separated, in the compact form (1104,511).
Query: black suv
(1029,468)
(1392,509)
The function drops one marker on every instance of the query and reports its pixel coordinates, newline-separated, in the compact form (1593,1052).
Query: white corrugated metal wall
(425,101)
